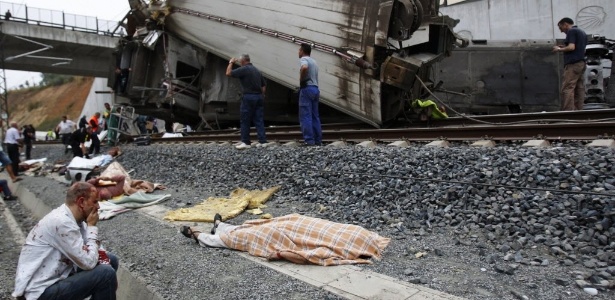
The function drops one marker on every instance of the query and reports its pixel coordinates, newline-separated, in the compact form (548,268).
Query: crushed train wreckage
(172,64)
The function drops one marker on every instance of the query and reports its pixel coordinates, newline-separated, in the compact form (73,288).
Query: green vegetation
(34,105)
(49,124)
(55,79)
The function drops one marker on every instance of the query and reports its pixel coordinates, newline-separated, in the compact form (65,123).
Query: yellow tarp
(228,208)
(256,197)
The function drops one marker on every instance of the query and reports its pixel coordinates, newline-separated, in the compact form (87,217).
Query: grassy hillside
(43,107)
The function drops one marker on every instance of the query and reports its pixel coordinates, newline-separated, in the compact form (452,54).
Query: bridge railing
(59,19)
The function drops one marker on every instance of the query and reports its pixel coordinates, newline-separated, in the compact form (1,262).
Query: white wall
(531,19)
(95,102)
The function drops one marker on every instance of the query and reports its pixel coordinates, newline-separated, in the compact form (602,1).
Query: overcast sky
(105,9)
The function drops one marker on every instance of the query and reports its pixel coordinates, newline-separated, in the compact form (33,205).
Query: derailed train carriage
(172,65)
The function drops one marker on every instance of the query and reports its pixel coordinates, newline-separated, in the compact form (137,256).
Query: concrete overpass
(68,52)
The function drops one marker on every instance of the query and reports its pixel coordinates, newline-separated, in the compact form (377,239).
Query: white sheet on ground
(111,208)
(84,163)
(33,161)
(171,135)
(101,136)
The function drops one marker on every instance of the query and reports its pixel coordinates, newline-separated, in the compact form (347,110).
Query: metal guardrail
(59,19)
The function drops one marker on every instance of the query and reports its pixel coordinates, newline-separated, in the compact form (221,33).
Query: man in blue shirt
(253,86)
(573,87)
(309,96)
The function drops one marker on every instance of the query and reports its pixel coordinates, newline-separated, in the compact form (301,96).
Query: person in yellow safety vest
(50,136)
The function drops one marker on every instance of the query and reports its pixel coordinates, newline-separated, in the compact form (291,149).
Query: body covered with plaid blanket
(302,239)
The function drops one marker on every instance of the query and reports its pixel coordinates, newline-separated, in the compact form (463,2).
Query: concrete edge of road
(131,286)
(349,281)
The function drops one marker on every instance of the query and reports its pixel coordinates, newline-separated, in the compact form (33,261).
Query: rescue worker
(309,97)
(95,147)
(78,139)
(253,86)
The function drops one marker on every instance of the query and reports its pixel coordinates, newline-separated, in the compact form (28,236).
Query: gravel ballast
(484,241)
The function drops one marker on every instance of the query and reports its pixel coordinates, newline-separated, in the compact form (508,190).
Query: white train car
(369,54)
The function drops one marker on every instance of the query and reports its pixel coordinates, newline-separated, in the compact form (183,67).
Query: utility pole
(4,99)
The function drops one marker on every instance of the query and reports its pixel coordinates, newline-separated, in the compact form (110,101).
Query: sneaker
(242,146)
(11,197)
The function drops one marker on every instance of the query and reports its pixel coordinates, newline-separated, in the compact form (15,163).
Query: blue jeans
(100,283)
(4,159)
(251,111)
(5,188)
(308,115)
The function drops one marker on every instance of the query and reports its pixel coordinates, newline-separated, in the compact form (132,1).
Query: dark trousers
(251,111)
(66,141)
(99,283)
(77,150)
(95,147)
(13,151)
(28,149)
(5,188)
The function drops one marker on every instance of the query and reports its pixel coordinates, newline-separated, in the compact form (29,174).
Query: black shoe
(187,232)
(218,219)
(11,197)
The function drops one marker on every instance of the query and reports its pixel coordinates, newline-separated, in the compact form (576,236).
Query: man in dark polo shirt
(253,86)
(573,87)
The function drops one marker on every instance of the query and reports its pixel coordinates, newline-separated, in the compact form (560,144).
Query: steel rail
(540,117)
(358,132)
(566,131)
(285,128)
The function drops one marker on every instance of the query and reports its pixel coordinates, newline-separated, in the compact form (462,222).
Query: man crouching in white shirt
(60,259)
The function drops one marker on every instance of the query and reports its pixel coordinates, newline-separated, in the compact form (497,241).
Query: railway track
(558,131)
(578,125)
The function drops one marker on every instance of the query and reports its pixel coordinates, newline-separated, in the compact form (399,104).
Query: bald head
(14,125)
(79,189)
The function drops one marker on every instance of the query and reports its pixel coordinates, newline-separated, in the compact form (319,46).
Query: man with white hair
(65,128)
(12,140)
(253,85)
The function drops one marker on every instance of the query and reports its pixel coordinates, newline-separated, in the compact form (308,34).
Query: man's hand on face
(92,219)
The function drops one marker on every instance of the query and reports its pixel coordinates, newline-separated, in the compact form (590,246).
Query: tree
(55,79)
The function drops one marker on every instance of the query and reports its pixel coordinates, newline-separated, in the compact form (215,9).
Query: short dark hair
(78,189)
(307,49)
(565,20)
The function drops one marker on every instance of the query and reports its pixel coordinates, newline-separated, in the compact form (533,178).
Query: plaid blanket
(302,239)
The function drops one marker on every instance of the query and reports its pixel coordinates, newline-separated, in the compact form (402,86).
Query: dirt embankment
(43,107)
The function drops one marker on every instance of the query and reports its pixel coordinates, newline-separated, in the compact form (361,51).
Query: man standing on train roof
(309,96)
(253,86)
